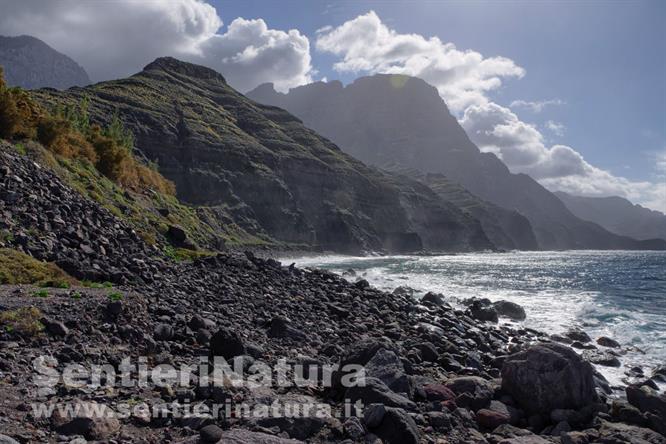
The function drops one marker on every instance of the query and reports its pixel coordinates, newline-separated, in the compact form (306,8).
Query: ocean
(619,294)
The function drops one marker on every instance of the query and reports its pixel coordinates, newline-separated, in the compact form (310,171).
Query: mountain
(617,215)
(264,167)
(30,63)
(395,119)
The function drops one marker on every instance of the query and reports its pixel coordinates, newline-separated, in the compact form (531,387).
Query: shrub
(19,268)
(25,321)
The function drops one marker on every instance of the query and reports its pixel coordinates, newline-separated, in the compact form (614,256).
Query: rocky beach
(431,373)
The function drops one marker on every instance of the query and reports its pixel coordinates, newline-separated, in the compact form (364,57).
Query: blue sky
(570,92)
(606,60)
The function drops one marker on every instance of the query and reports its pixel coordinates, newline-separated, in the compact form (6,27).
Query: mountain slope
(617,215)
(30,63)
(387,119)
(263,166)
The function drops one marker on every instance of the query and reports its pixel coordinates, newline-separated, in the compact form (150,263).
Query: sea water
(619,294)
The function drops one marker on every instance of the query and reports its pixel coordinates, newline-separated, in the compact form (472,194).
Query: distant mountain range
(30,63)
(263,166)
(617,215)
(388,120)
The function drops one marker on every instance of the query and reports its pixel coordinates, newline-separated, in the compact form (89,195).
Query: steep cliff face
(387,119)
(30,63)
(262,165)
(617,215)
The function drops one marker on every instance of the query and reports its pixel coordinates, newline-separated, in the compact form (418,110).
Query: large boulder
(374,391)
(510,310)
(397,427)
(647,400)
(92,420)
(471,391)
(226,343)
(547,377)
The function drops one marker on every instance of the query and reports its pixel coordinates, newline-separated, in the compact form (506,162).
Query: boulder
(490,419)
(605,341)
(281,328)
(240,436)
(397,427)
(510,310)
(375,391)
(210,433)
(601,358)
(546,377)
(434,299)
(386,366)
(92,420)
(579,335)
(226,343)
(438,392)
(482,312)
(647,400)
(471,391)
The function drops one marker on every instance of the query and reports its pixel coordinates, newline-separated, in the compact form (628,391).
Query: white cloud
(556,128)
(113,39)
(463,78)
(536,106)
(250,53)
(559,167)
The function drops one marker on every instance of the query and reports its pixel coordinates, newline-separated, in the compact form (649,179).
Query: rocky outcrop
(30,63)
(388,120)
(548,377)
(264,167)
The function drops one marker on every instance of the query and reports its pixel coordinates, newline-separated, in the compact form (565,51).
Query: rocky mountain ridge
(395,119)
(30,63)
(262,166)
(617,215)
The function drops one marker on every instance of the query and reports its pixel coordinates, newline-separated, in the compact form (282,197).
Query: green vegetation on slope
(19,268)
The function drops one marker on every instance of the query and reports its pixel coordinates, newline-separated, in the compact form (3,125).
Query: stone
(4,439)
(578,335)
(434,299)
(428,352)
(375,391)
(240,436)
(605,341)
(226,343)
(386,366)
(373,415)
(92,420)
(478,391)
(647,400)
(210,433)
(163,332)
(601,358)
(546,377)
(353,428)
(490,419)
(438,392)
(482,312)
(397,427)
(510,310)
(56,328)
(281,328)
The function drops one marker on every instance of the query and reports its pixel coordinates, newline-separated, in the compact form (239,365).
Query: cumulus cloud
(113,39)
(521,146)
(463,78)
(250,53)
(536,106)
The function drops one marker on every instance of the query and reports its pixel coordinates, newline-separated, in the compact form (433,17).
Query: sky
(572,93)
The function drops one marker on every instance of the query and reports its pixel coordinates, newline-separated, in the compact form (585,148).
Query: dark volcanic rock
(226,343)
(510,310)
(547,377)
(397,427)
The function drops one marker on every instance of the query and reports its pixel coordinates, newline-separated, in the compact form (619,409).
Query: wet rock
(578,335)
(482,312)
(434,299)
(397,427)
(601,358)
(226,343)
(608,342)
(510,310)
(548,377)
(647,400)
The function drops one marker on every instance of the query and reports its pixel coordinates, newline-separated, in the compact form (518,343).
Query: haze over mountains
(617,215)
(388,119)
(30,63)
